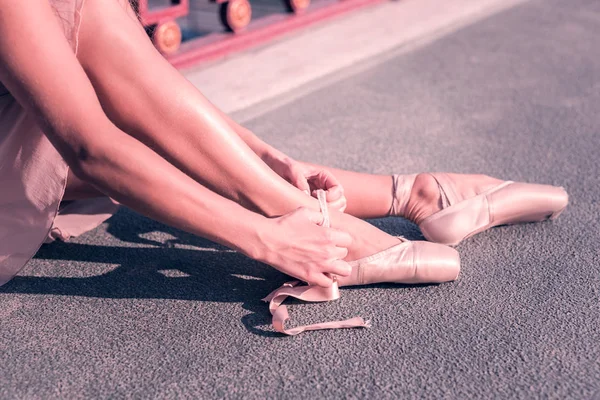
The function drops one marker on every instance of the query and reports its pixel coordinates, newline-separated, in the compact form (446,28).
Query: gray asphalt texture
(135,309)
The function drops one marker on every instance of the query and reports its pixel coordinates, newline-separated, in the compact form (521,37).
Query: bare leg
(370,196)
(146,97)
(77,189)
(150,100)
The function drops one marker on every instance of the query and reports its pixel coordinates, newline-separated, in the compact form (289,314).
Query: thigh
(77,189)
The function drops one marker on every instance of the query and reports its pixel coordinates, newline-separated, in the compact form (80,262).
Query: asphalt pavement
(135,309)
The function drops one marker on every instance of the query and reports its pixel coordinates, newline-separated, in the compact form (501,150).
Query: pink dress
(33,177)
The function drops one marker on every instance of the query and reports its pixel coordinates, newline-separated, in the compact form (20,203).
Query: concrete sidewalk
(135,309)
(263,79)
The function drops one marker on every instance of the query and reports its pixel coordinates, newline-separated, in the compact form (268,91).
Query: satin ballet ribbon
(309,293)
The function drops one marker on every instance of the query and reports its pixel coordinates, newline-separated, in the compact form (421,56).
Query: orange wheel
(235,14)
(167,37)
(297,6)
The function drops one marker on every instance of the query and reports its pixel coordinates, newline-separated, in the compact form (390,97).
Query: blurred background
(197,23)
(508,88)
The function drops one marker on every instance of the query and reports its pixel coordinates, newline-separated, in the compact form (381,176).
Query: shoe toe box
(436,262)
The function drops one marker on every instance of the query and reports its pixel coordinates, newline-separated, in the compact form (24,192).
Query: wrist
(266,152)
(254,244)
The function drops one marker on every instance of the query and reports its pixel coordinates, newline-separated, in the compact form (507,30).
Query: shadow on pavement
(162,269)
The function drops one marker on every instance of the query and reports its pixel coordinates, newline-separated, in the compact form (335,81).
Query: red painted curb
(219,45)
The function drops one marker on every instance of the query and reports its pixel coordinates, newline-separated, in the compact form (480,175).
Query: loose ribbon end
(309,293)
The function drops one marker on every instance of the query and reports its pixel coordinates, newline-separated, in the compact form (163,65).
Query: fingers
(334,193)
(317,253)
(340,268)
(322,179)
(335,198)
(339,204)
(322,280)
(339,253)
(316,217)
(298,179)
(336,237)
(340,238)
(337,267)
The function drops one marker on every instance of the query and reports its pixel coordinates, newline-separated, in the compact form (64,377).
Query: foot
(378,257)
(366,238)
(451,207)
(426,199)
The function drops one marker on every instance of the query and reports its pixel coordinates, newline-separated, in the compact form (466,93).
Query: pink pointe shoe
(406,262)
(466,214)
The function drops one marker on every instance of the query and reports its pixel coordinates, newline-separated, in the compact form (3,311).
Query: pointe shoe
(507,203)
(407,262)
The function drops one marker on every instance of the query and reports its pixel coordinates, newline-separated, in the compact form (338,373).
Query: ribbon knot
(309,293)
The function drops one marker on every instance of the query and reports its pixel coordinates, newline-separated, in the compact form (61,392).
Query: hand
(296,245)
(307,178)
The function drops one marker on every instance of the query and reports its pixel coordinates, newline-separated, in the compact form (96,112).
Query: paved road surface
(136,309)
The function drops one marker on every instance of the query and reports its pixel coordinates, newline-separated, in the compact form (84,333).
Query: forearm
(162,192)
(67,109)
(258,146)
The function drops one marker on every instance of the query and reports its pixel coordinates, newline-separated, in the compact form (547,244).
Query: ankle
(424,199)
(366,238)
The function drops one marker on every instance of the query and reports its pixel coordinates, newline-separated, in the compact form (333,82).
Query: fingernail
(307,192)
